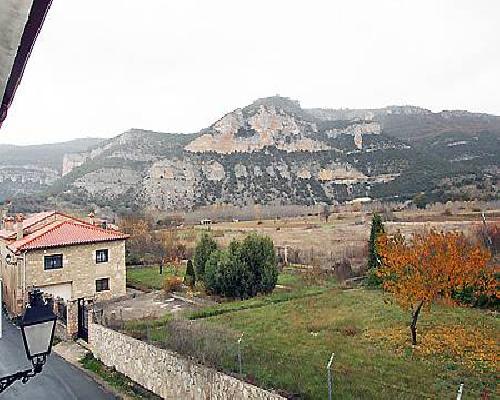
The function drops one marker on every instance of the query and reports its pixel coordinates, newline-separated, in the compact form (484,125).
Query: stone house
(75,262)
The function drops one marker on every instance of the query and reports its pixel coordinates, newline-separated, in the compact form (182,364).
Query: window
(55,261)
(101,256)
(102,284)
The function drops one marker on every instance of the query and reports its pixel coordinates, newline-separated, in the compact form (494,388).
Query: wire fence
(300,375)
(313,256)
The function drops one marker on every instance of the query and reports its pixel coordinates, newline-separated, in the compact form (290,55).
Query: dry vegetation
(312,241)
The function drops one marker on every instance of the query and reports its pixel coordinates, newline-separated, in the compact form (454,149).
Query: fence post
(239,354)
(329,372)
(460,391)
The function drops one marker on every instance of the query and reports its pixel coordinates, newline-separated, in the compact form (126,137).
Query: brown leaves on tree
(432,267)
(148,244)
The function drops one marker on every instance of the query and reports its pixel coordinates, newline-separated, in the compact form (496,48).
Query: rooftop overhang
(20,22)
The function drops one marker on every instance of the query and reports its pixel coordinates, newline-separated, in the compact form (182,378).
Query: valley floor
(289,335)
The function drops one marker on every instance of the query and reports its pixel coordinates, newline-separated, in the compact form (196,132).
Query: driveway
(141,305)
(58,380)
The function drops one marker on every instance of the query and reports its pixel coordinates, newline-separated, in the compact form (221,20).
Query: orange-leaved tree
(432,267)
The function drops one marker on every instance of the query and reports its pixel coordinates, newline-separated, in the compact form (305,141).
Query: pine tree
(204,248)
(189,277)
(376,231)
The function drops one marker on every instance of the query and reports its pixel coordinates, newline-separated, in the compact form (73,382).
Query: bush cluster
(243,270)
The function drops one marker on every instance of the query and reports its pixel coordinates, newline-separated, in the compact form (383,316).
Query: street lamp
(37,327)
(8,258)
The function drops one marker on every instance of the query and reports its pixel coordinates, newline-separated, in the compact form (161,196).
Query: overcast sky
(101,67)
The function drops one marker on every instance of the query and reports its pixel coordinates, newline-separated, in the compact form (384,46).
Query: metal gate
(83,323)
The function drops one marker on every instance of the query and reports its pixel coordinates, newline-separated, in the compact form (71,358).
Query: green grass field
(287,346)
(149,278)
(290,334)
(288,279)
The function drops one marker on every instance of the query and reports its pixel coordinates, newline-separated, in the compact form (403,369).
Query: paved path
(59,380)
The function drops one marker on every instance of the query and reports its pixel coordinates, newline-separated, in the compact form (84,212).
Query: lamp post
(37,327)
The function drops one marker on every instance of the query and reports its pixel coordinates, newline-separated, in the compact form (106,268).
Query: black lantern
(8,258)
(37,327)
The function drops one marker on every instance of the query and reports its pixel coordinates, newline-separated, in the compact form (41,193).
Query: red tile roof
(27,223)
(65,233)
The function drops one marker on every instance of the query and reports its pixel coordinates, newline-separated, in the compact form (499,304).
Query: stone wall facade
(81,270)
(166,373)
(75,280)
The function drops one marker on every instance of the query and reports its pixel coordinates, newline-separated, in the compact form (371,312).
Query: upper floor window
(102,284)
(54,261)
(101,256)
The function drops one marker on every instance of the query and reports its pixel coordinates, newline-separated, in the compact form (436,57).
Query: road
(59,380)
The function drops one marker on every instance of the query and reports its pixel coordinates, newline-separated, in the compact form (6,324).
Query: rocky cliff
(275,152)
(279,123)
(25,170)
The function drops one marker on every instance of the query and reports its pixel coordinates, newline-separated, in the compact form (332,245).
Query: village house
(73,261)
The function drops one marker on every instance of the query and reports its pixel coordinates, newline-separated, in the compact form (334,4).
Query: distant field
(317,242)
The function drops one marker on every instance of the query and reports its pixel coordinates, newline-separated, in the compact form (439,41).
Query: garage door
(62,290)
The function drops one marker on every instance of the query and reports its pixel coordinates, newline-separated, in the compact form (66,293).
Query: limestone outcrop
(273,152)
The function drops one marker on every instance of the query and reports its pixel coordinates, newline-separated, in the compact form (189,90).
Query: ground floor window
(102,284)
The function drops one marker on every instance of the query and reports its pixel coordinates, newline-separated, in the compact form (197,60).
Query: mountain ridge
(274,152)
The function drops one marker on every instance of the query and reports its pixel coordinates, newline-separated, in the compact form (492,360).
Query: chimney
(3,214)
(91,218)
(19,226)
(8,223)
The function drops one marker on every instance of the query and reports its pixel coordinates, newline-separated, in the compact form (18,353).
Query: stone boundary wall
(165,373)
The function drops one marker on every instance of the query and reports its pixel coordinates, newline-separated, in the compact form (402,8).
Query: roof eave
(19,250)
(36,18)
